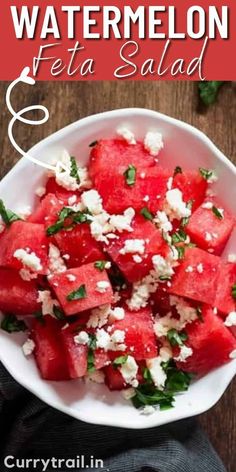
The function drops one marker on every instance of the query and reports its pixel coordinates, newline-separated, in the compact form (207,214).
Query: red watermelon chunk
(154,243)
(140,339)
(208,231)
(192,185)
(60,192)
(17,295)
(47,211)
(79,245)
(211,343)
(49,353)
(149,189)
(197,276)
(101,359)
(76,354)
(227,278)
(113,378)
(86,281)
(24,235)
(117,154)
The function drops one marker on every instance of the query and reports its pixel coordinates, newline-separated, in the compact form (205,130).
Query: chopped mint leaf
(175,338)
(92,342)
(164,277)
(177,381)
(147,375)
(77,294)
(74,169)
(120,360)
(208,91)
(58,313)
(11,324)
(147,214)
(207,174)
(147,394)
(130,175)
(7,215)
(181,251)
(100,265)
(91,361)
(93,143)
(233,291)
(217,212)
(179,237)
(178,170)
(185,220)
(76,217)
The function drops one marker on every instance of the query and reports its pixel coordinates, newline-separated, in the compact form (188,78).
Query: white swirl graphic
(18,116)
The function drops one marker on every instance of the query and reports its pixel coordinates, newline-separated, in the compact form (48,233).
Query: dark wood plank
(68,102)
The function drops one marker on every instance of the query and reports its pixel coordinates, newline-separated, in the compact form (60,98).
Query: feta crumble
(207,205)
(45,297)
(99,316)
(28,259)
(126,134)
(185,353)
(231,319)
(102,286)
(133,246)
(153,143)
(40,191)
(200,268)
(174,205)
(232,258)
(71,277)
(27,275)
(162,221)
(137,259)
(129,371)
(148,410)
(92,200)
(56,263)
(82,338)
(117,313)
(233,354)
(28,347)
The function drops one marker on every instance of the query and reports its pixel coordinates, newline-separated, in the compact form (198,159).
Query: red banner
(72,40)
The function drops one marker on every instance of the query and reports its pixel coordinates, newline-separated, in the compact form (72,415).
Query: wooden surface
(68,102)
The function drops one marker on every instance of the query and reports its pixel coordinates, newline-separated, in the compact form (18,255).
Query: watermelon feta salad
(117,273)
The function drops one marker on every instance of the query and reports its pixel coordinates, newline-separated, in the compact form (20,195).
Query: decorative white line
(17,116)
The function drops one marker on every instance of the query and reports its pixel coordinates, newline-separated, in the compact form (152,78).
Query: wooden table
(68,102)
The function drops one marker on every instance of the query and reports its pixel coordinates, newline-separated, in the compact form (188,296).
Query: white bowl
(184,146)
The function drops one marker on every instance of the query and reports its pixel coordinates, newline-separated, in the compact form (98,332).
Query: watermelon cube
(208,231)
(140,339)
(210,341)
(101,359)
(113,378)
(49,353)
(149,189)
(17,295)
(192,185)
(135,265)
(27,236)
(117,154)
(81,288)
(79,245)
(197,276)
(47,211)
(52,187)
(76,354)
(224,300)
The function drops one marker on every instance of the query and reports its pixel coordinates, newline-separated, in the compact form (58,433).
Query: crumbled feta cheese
(62,173)
(27,275)
(99,316)
(207,205)
(66,257)
(169,183)
(102,286)
(153,143)
(71,277)
(127,135)
(189,269)
(232,258)
(231,319)
(215,310)
(122,222)
(128,393)
(200,268)
(162,266)
(92,200)
(107,265)
(133,246)
(142,175)
(24,212)
(233,354)
(118,336)
(174,206)
(103,339)
(56,263)
(117,313)
(44,297)
(28,259)
(137,259)
(157,373)
(148,410)
(162,221)
(185,352)
(208,236)
(81,338)
(146,198)
(28,347)
(40,191)
(129,371)
(72,200)
(186,312)
(97,376)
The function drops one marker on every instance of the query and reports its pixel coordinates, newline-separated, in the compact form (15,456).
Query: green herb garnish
(233,291)
(175,338)
(217,212)
(147,214)
(12,325)
(163,278)
(178,170)
(207,174)
(58,313)
(208,91)
(181,251)
(130,175)
(185,220)
(100,265)
(121,360)
(92,342)
(76,217)
(177,381)
(149,395)
(179,237)
(91,361)
(77,294)
(74,169)
(8,216)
